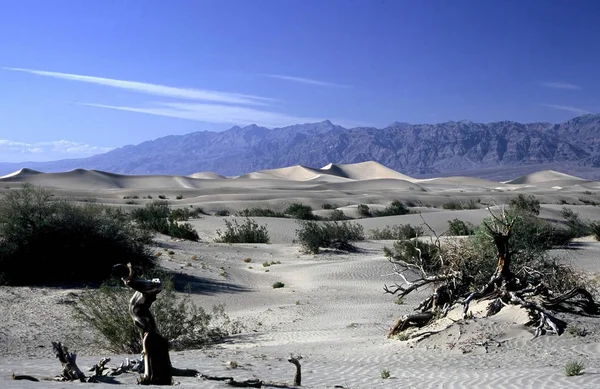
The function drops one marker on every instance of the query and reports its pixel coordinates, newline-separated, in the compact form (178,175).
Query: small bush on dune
(182,323)
(313,235)
(338,215)
(259,212)
(247,232)
(595,230)
(574,368)
(158,217)
(47,241)
(528,205)
(363,210)
(458,227)
(575,225)
(397,232)
(395,208)
(300,211)
(329,206)
(459,205)
(222,212)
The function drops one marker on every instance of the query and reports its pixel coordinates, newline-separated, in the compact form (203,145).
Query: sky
(79,77)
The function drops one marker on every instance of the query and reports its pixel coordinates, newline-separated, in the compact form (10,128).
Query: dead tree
(157,363)
(447,273)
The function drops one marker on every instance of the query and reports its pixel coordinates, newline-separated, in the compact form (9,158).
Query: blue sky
(80,77)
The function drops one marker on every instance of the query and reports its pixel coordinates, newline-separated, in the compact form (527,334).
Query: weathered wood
(296,362)
(71,371)
(416,320)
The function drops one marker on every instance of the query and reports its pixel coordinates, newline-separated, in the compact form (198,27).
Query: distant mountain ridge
(421,150)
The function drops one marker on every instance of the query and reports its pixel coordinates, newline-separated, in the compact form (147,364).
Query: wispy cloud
(215,113)
(63,147)
(574,110)
(155,89)
(307,81)
(560,85)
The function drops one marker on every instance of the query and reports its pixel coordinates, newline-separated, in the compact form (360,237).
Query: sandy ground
(332,309)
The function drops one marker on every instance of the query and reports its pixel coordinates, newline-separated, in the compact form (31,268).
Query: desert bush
(363,210)
(179,197)
(329,206)
(395,208)
(247,232)
(574,368)
(278,285)
(183,324)
(162,197)
(575,225)
(397,232)
(385,374)
(222,212)
(300,211)
(458,227)
(595,230)
(458,205)
(47,241)
(314,235)
(259,212)
(158,217)
(528,205)
(338,215)
(183,214)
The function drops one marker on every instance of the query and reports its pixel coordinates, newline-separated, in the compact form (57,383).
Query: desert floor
(332,310)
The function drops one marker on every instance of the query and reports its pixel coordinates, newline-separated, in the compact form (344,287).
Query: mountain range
(499,150)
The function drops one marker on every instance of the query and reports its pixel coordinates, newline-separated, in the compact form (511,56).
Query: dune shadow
(198,285)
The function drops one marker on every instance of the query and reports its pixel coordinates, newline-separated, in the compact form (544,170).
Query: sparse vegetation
(574,368)
(162,197)
(300,211)
(179,197)
(278,285)
(247,260)
(456,205)
(329,206)
(222,212)
(395,208)
(181,322)
(527,205)
(259,212)
(158,217)
(338,215)
(385,374)
(397,232)
(247,232)
(313,235)
(458,227)
(364,210)
(48,241)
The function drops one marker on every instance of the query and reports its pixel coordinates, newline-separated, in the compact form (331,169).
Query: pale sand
(332,309)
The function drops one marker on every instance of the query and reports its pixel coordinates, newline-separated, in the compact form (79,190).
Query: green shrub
(300,211)
(183,214)
(397,232)
(179,197)
(338,215)
(329,206)
(527,205)
(576,226)
(259,212)
(162,197)
(458,205)
(247,232)
(158,217)
(423,254)
(574,368)
(314,235)
(595,229)
(181,322)
(458,227)
(385,374)
(278,285)
(222,212)
(395,208)
(47,241)
(363,210)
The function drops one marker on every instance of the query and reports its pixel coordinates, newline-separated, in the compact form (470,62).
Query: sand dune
(364,171)
(543,177)
(207,175)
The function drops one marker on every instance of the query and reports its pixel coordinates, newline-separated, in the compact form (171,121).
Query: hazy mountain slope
(425,149)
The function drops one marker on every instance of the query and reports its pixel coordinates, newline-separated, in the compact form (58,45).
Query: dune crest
(22,173)
(543,176)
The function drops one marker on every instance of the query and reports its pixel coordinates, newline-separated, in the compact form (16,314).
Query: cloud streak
(64,147)
(561,85)
(568,108)
(155,89)
(307,81)
(215,113)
